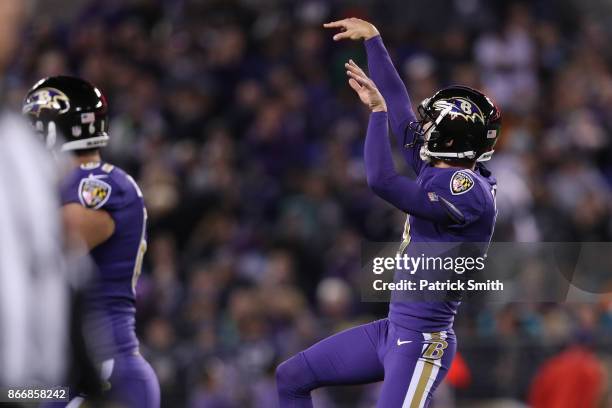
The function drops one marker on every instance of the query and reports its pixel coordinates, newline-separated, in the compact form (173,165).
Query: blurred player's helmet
(71,108)
(457,122)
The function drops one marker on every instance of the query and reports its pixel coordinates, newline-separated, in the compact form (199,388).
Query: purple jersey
(472,194)
(111,298)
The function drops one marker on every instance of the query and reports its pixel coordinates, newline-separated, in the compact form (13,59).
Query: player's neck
(88,158)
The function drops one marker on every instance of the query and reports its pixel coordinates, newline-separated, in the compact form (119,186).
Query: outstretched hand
(353,28)
(365,88)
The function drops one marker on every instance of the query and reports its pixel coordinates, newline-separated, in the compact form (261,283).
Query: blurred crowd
(235,118)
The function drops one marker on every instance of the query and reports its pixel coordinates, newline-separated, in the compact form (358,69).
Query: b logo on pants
(436,347)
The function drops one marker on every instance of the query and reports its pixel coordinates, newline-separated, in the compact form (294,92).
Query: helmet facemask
(425,130)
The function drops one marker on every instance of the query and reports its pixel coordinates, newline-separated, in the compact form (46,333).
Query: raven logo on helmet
(47,98)
(460,108)
(69,109)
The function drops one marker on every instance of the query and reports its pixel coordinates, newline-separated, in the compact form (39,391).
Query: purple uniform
(111,303)
(413,348)
(445,204)
(470,196)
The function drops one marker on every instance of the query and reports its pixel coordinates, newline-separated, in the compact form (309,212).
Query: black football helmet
(457,122)
(70,107)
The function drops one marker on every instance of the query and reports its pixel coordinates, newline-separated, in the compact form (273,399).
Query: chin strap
(427,155)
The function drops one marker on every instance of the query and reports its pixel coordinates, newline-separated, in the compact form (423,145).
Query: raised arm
(390,85)
(387,80)
(382,177)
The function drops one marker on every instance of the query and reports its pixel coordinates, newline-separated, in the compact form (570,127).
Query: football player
(106,208)
(452,200)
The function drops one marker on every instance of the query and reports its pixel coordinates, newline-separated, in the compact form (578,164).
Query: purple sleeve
(392,88)
(402,192)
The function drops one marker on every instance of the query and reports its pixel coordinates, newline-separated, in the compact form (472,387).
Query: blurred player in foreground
(33,298)
(451,201)
(105,207)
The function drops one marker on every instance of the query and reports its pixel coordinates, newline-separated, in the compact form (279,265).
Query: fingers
(355,85)
(336,24)
(355,72)
(344,25)
(363,81)
(341,36)
(351,66)
(357,67)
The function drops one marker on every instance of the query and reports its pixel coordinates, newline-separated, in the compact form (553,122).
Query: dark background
(236,120)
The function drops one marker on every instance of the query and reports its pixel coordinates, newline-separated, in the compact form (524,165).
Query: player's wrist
(371,34)
(379,108)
